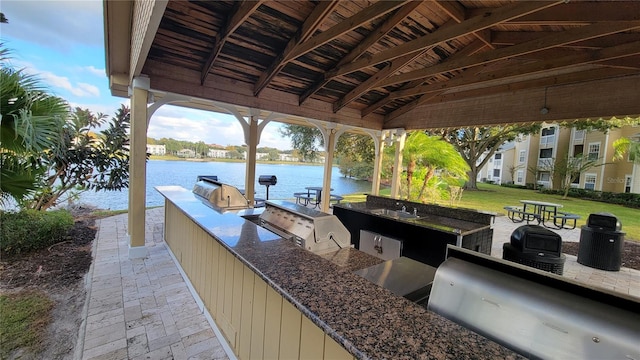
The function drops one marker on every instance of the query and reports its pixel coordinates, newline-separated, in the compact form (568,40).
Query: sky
(62,42)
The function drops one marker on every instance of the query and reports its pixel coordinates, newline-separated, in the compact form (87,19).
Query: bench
(335,199)
(563,220)
(303,198)
(517,214)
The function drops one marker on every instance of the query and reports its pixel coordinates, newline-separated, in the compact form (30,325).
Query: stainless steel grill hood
(537,314)
(219,196)
(313,230)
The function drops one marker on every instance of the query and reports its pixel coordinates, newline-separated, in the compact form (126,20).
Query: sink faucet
(415,211)
(404,208)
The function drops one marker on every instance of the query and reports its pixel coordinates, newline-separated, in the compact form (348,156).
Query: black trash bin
(536,247)
(601,242)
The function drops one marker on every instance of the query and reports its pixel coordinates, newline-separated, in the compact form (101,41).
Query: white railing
(547,140)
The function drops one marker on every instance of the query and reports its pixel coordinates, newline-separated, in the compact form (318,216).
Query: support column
(328,162)
(397,165)
(138,167)
(250,173)
(378,141)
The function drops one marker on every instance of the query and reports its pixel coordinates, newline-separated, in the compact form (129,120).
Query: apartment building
(531,159)
(156,149)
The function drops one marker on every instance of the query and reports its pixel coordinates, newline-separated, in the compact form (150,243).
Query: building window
(544,177)
(627,184)
(578,150)
(520,177)
(521,156)
(548,131)
(546,153)
(496,173)
(498,156)
(590,181)
(594,151)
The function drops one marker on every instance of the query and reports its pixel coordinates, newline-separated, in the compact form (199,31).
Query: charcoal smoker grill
(267,180)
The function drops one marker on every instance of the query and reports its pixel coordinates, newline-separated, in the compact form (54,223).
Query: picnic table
(313,195)
(542,212)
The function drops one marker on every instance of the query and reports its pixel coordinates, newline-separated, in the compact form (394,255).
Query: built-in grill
(311,229)
(219,196)
(539,316)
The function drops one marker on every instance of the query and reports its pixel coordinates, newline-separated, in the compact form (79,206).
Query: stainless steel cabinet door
(385,248)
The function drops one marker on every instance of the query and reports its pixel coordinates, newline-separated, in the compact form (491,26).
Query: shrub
(626,199)
(30,230)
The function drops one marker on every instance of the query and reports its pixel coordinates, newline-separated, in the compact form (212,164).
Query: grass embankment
(495,197)
(23,321)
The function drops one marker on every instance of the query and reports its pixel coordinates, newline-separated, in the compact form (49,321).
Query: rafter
(565,37)
(243,11)
(310,25)
(362,47)
(467,27)
(509,38)
(588,57)
(371,82)
(468,50)
(365,16)
(458,13)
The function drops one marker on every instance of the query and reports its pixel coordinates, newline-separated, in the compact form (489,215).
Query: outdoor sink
(396,214)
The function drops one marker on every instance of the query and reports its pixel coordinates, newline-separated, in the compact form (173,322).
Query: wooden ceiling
(399,64)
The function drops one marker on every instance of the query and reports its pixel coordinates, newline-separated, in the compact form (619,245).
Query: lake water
(291,178)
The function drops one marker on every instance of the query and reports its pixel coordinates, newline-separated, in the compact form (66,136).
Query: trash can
(536,247)
(601,242)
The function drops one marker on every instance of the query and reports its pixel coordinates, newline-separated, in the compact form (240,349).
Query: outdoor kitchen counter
(368,321)
(430,221)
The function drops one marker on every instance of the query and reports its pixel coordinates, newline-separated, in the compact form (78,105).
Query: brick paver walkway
(142,308)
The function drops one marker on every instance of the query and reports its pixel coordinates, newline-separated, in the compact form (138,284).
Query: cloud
(213,128)
(93,70)
(54,24)
(79,89)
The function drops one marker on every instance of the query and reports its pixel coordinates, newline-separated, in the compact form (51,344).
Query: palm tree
(629,146)
(431,153)
(30,125)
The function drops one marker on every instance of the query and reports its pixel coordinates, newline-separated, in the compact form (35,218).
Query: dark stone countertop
(430,221)
(367,320)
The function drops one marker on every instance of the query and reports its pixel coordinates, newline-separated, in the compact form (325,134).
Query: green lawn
(495,197)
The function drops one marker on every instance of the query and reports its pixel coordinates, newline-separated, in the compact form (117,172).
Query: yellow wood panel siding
(311,340)
(272,321)
(222,263)
(208,262)
(256,321)
(213,283)
(246,303)
(335,351)
(258,318)
(290,331)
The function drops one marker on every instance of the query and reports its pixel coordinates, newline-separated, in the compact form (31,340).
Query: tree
(355,153)
(430,153)
(30,124)
(305,139)
(568,170)
(630,146)
(84,160)
(478,144)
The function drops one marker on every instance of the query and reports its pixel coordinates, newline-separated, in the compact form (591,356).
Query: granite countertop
(367,320)
(430,221)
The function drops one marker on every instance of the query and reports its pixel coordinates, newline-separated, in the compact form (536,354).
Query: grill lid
(220,196)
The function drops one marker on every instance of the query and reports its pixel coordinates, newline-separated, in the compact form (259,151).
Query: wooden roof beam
(365,16)
(371,82)
(242,12)
(477,23)
(362,47)
(458,13)
(310,25)
(594,56)
(578,13)
(553,40)
(468,50)
(508,38)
